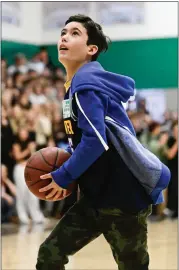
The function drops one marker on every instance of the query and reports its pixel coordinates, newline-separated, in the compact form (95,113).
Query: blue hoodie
(95,94)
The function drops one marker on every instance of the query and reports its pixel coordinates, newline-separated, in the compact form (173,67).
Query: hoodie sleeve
(92,107)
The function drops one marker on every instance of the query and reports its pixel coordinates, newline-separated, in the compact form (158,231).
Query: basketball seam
(35,182)
(45,160)
(54,167)
(37,169)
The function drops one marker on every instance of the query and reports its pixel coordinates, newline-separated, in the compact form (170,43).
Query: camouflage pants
(125,233)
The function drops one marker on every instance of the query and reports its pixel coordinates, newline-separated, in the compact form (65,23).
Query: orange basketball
(42,162)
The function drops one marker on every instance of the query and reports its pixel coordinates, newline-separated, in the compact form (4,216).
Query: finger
(64,192)
(46,188)
(51,194)
(57,196)
(45,176)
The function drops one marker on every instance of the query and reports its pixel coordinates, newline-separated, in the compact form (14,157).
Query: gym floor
(20,246)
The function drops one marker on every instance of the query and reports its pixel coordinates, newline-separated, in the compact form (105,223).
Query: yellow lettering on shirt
(68,127)
(67,85)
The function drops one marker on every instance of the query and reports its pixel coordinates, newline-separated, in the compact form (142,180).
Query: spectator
(31,121)
(18,80)
(32,74)
(172,158)
(44,58)
(58,130)
(142,106)
(43,127)
(154,140)
(7,138)
(16,118)
(9,82)
(26,202)
(7,98)
(137,120)
(8,210)
(59,85)
(59,73)
(36,65)
(37,97)
(174,116)
(3,70)
(50,93)
(24,102)
(19,66)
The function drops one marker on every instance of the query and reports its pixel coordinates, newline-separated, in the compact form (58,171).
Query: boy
(113,203)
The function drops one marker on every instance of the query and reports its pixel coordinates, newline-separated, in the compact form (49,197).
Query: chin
(62,59)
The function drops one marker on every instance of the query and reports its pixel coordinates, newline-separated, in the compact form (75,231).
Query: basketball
(42,162)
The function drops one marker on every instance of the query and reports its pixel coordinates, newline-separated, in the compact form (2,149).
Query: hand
(56,192)
(32,147)
(4,180)
(3,192)
(8,198)
(163,139)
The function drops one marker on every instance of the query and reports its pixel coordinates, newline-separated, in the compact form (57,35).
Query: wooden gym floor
(20,246)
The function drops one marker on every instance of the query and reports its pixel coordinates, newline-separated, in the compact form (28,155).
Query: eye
(75,33)
(62,34)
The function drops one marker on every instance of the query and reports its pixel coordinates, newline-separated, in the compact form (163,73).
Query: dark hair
(153,125)
(15,75)
(43,48)
(94,31)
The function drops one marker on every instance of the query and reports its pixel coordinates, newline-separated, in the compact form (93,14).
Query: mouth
(62,48)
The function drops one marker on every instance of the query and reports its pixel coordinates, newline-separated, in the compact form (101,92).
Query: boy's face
(74,38)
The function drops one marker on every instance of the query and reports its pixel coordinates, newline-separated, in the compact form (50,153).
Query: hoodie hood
(92,76)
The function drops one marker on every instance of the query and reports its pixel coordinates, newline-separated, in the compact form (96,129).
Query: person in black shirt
(7,138)
(172,157)
(8,195)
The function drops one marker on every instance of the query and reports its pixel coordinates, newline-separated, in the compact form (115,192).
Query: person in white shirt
(19,66)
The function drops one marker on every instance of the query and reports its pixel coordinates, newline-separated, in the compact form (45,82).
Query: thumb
(45,176)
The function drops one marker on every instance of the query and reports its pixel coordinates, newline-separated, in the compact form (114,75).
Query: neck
(72,69)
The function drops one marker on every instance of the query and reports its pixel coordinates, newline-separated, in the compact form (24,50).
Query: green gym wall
(151,63)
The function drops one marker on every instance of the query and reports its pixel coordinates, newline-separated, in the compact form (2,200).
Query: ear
(92,49)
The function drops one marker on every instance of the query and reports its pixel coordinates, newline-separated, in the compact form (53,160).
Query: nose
(64,38)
